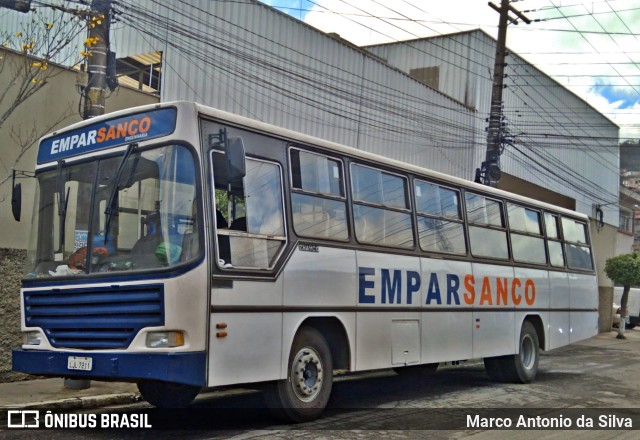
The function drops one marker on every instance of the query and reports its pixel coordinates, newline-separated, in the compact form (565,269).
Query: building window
(625,221)
(427,75)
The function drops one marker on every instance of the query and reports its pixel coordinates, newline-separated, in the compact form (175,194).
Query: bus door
(245,330)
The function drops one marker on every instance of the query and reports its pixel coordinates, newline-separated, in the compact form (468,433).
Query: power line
(340,88)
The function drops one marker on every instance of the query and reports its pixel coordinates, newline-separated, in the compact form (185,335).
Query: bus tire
(305,393)
(167,394)
(523,367)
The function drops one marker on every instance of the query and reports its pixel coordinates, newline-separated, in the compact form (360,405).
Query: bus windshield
(122,213)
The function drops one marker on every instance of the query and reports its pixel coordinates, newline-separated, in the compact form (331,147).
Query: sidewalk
(51,393)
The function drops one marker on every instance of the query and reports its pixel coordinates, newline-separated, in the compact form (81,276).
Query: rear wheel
(521,367)
(167,394)
(305,393)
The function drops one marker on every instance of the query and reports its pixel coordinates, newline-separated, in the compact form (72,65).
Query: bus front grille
(94,318)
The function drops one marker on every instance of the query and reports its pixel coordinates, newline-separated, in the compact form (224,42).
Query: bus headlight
(165,339)
(32,338)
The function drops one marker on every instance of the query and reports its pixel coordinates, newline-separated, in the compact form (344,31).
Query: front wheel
(167,394)
(305,393)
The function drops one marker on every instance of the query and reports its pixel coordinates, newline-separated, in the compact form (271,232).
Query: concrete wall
(10,269)
(52,107)
(604,243)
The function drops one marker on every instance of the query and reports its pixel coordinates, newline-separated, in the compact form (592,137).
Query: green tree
(624,270)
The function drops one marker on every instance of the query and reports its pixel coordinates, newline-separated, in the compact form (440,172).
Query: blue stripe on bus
(185,368)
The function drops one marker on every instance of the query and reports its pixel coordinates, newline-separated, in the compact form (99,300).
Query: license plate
(80,363)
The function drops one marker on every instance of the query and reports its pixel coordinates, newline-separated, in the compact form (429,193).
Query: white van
(633,306)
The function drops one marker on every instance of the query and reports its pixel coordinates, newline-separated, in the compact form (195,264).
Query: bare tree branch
(44,39)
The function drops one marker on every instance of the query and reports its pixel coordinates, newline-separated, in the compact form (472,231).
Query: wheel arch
(335,333)
(536,321)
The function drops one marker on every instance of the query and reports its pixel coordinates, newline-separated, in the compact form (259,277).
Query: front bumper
(186,368)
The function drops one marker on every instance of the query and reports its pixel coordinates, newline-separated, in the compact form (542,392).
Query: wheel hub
(306,374)
(527,352)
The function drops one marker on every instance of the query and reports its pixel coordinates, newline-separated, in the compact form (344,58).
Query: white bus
(182,248)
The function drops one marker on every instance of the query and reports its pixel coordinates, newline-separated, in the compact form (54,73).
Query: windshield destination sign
(109,133)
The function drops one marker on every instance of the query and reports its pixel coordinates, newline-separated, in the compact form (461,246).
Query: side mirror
(16,201)
(236,168)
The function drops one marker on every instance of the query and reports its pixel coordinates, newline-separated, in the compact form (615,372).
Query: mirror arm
(220,140)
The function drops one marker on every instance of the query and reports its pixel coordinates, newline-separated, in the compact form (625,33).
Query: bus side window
(527,243)
(554,243)
(576,244)
(317,199)
(440,224)
(381,209)
(487,232)
(249,215)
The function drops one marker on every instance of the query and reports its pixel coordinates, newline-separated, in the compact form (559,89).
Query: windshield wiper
(108,211)
(63,201)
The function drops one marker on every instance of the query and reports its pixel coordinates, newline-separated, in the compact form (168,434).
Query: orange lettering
(470,295)
(145,124)
(133,127)
(111,134)
(486,292)
(530,292)
(502,292)
(515,284)
(122,130)
(101,134)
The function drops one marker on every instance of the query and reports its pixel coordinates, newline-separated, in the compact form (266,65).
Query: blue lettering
(392,288)
(453,283)
(413,285)
(364,284)
(433,292)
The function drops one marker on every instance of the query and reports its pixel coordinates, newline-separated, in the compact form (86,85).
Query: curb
(78,403)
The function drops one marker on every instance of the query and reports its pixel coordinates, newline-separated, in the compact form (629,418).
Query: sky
(590,47)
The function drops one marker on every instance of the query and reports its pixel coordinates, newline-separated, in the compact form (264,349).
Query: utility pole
(489,172)
(98,22)
(94,92)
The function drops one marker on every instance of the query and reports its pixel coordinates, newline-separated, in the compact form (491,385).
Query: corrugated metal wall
(560,142)
(251,60)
